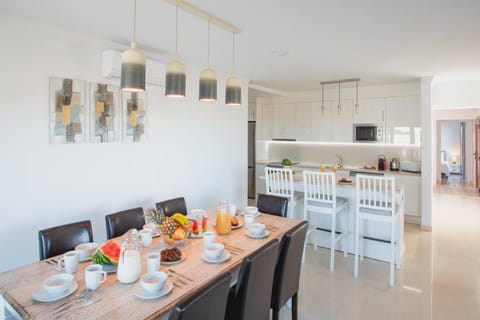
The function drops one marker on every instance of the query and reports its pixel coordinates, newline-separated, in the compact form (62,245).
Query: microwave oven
(367,133)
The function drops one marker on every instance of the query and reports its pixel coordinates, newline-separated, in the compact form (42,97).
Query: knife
(180,275)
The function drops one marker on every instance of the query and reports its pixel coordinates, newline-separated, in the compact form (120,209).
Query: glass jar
(223,223)
(129,266)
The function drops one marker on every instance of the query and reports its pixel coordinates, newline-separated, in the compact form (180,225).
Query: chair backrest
(60,239)
(319,186)
(276,205)
(209,302)
(375,192)
(171,206)
(254,286)
(287,271)
(279,182)
(120,222)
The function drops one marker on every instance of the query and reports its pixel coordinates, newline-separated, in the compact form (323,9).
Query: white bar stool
(320,198)
(375,202)
(279,182)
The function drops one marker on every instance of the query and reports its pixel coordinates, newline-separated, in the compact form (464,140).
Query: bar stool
(321,198)
(279,182)
(376,203)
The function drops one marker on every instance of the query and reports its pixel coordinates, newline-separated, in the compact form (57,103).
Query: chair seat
(340,202)
(379,212)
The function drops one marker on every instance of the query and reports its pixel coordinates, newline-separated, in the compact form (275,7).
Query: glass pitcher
(129,263)
(223,223)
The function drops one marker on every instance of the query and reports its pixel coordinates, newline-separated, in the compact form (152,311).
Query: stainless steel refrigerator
(251,159)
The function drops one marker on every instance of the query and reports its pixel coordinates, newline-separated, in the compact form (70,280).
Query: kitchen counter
(313,165)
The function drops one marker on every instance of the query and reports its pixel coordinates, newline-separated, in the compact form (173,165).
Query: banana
(180,219)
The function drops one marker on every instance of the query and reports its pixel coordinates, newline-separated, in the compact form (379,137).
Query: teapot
(129,262)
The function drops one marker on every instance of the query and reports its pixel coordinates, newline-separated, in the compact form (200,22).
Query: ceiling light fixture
(133,63)
(339,107)
(208,78)
(175,77)
(322,108)
(233,89)
(357,106)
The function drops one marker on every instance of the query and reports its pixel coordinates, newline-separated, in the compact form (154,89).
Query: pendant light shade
(133,64)
(233,88)
(175,78)
(208,79)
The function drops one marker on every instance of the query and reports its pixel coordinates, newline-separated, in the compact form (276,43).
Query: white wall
(197,150)
(456,95)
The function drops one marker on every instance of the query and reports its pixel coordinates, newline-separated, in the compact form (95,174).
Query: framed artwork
(134,120)
(105,114)
(67,111)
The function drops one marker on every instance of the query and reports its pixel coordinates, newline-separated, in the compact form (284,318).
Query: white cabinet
(341,123)
(320,123)
(403,120)
(260,186)
(303,123)
(412,194)
(267,122)
(284,120)
(370,111)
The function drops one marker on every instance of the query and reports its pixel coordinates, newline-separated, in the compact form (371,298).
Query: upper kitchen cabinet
(284,121)
(341,122)
(371,111)
(264,122)
(303,121)
(403,120)
(320,123)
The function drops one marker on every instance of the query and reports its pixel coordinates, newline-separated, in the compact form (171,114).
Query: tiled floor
(454,283)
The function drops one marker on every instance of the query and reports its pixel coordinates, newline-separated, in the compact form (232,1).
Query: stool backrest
(60,239)
(319,186)
(210,302)
(279,181)
(375,192)
(120,222)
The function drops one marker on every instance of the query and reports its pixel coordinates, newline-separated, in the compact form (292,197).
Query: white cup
(233,209)
(94,275)
(208,238)
(69,262)
(146,237)
(153,262)
(248,219)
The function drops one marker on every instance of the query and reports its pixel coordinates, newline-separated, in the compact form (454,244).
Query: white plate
(168,263)
(86,259)
(141,293)
(240,224)
(251,235)
(43,296)
(224,257)
(255,216)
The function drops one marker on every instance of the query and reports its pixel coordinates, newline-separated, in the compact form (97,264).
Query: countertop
(312,165)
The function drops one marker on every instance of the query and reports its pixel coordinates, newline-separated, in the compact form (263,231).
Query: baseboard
(413,219)
(426,228)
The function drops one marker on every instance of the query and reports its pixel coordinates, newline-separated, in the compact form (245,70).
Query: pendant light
(339,107)
(233,89)
(357,106)
(133,64)
(208,79)
(175,78)
(322,107)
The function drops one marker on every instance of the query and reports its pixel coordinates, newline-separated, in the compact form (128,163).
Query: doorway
(452,152)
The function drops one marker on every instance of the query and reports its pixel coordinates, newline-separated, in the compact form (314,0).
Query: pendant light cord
(176,31)
(134,18)
(233,53)
(208,50)
(322,95)
(357,92)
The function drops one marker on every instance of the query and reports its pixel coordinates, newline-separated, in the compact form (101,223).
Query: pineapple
(168,226)
(152,215)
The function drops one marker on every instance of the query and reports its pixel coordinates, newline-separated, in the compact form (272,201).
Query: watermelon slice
(109,253)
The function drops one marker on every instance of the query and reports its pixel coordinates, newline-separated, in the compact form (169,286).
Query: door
(477,153)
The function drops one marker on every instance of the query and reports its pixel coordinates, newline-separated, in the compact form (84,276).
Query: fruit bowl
(179,237)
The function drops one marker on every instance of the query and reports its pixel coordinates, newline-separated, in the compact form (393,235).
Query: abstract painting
(134,121)
(105,114)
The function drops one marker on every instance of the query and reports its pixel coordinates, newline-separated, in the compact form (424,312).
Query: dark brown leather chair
(250,297)
(120,222)
(169,207)
(60,239)
(287,272)
(209,302)
(271,204)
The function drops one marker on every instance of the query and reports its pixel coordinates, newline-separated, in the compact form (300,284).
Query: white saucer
(85,259)
(256,215)
(169,263)
(141,293)
(240,224)
(251,235)
(224,257)
(196,236)
(43,296)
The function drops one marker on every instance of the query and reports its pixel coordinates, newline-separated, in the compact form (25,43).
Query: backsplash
(353,154)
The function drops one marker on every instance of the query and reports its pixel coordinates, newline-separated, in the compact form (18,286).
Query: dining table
(114,300)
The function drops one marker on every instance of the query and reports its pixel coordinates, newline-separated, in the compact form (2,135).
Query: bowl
(256,228)
(153,281)
(58,283)
(213,250)
(86,250)
(251,210)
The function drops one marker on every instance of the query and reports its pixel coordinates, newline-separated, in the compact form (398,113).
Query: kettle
(382,162)
(395,164)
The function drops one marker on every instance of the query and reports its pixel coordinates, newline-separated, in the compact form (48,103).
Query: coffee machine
(382,162)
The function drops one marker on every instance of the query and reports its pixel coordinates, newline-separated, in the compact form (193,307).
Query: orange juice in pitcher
(223,223)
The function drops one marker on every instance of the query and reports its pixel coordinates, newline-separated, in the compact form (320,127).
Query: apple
(179,234)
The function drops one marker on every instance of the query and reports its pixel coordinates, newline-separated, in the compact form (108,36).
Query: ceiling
(292,45)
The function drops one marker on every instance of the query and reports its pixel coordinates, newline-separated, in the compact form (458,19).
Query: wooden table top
(117,300)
